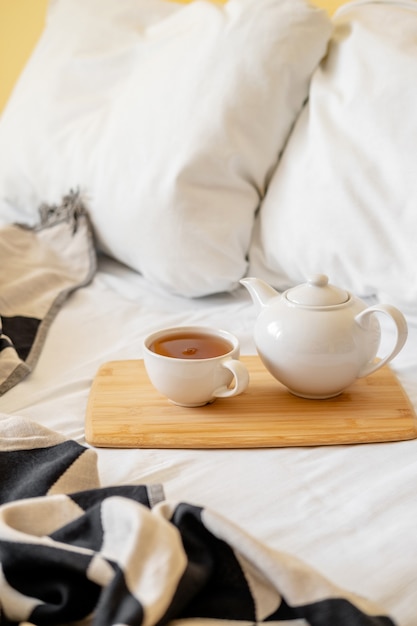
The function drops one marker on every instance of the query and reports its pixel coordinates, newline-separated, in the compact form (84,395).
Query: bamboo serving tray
(125,411)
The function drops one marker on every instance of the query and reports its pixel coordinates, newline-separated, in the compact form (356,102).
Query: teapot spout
(260,291)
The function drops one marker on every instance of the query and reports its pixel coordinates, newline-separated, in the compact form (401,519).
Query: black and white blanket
(74,552)
(39,268)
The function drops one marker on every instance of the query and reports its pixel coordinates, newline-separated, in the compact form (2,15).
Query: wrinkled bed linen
(347,511)
(73,550)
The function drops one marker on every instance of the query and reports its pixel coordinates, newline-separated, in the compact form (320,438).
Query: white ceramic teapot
(316,338)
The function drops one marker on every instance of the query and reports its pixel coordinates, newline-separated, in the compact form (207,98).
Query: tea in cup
(194,365)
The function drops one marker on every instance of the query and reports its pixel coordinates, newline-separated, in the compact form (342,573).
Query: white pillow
(343,200)
(169,117)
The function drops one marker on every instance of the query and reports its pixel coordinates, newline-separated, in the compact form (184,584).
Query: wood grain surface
(125,411)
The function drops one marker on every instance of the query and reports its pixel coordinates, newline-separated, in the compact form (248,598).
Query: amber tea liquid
(191,346)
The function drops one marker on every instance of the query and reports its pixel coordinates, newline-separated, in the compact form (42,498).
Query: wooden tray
(125,411)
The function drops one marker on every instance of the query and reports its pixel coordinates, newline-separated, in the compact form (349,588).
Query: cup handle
(240,376)
(402,332)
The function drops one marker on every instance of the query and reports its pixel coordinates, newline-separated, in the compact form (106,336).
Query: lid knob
(317,292)
(318,280)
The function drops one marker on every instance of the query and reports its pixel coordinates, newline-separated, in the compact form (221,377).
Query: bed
(293,155)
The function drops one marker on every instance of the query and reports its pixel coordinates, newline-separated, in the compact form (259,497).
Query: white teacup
(194,365)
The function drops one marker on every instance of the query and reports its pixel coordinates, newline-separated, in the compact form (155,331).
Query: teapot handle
(402,332)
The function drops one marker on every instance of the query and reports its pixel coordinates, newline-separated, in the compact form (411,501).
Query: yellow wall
(21,22)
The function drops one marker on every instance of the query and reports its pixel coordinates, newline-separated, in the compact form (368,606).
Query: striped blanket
(39,268)
(75,552)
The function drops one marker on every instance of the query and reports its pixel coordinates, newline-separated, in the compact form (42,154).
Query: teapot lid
(317,292)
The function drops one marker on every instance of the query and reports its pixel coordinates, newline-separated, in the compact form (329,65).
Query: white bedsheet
(349,511)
